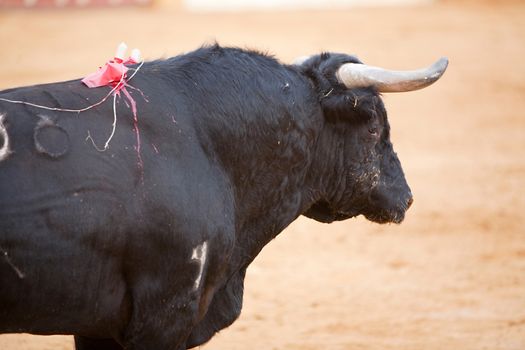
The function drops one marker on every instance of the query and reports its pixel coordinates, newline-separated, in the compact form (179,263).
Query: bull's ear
(337,101)
(322,69)
(351,105)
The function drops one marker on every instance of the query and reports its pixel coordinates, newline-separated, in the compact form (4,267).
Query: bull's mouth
(386,216)
(394,215)
(322,212)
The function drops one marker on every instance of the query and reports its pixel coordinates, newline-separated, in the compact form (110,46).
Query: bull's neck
(268,175)
(267,201)
(325,176)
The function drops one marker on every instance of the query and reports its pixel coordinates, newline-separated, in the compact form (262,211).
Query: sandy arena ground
(452,276)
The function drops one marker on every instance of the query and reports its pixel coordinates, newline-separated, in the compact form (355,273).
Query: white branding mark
(4,139)
(199,255)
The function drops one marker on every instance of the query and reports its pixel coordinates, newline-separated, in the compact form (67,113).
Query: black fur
(234,147)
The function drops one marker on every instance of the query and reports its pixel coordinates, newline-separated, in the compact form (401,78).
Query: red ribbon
(109,74)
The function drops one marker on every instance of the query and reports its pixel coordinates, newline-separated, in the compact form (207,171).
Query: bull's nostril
(410,201)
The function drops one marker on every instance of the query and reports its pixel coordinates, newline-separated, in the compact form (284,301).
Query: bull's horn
(354,75)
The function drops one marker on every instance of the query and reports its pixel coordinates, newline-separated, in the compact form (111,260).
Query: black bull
(146,245)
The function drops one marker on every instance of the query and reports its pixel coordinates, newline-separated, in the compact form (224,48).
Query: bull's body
(147,247)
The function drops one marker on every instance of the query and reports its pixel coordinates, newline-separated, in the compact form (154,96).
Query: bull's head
(356,168)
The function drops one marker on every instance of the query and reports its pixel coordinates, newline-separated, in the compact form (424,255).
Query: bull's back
(63,214)
(75,220)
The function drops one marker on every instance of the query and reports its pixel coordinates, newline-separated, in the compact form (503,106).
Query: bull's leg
(223,310)
(162,330)
(164,319)
(172,295)
(85,343)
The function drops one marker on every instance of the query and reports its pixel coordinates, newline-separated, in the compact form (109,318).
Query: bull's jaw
(322,212)
(386,217)
(390,215)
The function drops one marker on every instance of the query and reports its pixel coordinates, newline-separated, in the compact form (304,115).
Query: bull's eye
(373,132)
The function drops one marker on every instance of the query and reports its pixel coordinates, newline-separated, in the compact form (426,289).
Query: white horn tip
(440,65)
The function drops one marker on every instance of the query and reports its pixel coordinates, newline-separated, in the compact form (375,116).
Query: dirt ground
(452,276)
